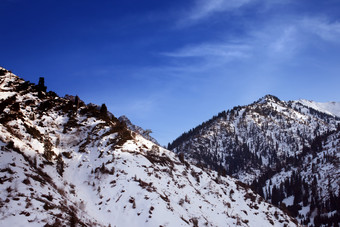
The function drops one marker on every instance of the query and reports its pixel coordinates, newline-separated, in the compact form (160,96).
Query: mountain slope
(310,189)
(64,163)
(331,108)
(268,137)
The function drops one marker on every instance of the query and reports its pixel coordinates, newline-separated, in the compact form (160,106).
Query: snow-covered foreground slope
(67,164)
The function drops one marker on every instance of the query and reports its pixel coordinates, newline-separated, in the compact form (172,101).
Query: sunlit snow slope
(64,163)
(331,108)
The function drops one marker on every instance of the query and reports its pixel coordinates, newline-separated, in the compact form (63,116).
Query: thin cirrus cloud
(289,39)
(323,28)
(284,39)
(286,42)
(207,57)
(227,50)
(204,9)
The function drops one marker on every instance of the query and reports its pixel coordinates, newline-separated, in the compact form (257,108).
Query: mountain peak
(268,98)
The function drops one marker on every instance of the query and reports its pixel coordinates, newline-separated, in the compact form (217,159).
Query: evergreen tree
(103,110)
(76,101)
(60,165)
(41,84)
(275,196)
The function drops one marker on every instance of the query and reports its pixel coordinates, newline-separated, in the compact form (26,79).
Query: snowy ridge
(331,108)
(64,164)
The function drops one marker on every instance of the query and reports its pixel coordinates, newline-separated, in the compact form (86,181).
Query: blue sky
(170,65)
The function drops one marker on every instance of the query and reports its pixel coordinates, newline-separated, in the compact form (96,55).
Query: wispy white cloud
(203,9)
(203,59)
(285,41)
(226,51)
(328,31)
(288,38)
(278,40)
(269,47)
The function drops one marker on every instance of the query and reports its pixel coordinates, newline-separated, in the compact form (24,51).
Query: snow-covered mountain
(288,151)
(64,163)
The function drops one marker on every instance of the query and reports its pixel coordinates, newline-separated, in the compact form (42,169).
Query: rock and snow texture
(143,132)
(74,165)
(296,142)
(331,108)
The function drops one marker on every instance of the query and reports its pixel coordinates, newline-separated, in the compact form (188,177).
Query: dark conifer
(76,101)
(103,110)
(41,85)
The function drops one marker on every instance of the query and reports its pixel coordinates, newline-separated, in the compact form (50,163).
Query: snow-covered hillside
(272,138)
(64,163)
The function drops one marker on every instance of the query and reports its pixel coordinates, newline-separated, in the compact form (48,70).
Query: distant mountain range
(65,163)
(288,152)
